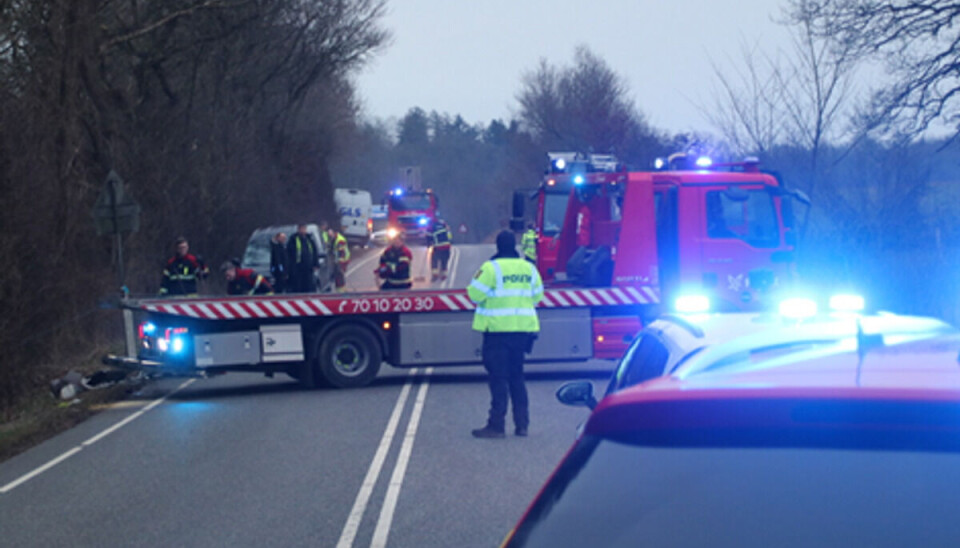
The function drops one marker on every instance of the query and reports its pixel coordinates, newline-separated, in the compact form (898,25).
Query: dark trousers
(301,280)
(503,360)
(439,258)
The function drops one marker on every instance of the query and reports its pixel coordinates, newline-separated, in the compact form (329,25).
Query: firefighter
(506,291)
(244,281)
(395,265)
(529,243)
(339,251)
(303,259)
(441,240)
(180,273)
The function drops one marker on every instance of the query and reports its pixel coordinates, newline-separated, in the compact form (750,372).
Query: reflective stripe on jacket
(506,292)
(441,236)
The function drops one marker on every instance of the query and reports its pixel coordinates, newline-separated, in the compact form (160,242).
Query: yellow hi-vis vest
(529,244)
(506,292)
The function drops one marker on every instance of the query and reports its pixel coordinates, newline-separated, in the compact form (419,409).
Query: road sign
(115,211)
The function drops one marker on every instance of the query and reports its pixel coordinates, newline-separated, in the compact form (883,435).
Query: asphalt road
(249,461)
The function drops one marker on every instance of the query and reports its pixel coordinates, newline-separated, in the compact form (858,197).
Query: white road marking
(50,464)
(382,530)
(356,266)
(451,268)
(350,528)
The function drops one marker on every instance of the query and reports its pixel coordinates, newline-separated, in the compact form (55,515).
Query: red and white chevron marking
(310,306)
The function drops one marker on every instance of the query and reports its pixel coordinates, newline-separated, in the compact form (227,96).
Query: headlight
(846,303)
(392,233)
(798,308)
(692,304)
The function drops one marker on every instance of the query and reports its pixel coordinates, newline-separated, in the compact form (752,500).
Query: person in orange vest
(395,265)
(339,249)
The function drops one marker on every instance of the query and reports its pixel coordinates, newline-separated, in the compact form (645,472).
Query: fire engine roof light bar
(704,162)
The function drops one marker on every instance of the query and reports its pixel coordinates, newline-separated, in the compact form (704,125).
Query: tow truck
(644,236)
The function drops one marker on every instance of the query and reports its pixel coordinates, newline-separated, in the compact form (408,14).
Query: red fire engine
(411,211)
(693,226)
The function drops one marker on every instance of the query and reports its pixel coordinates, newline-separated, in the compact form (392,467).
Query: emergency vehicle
(411,211)
(649,234)
(725,230)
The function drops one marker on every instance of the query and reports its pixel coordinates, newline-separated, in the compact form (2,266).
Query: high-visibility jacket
(506,291)
(529,244)
(342,249)
(441,236)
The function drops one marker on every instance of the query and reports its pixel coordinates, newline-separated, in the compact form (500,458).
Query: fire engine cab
(411,211)
(725,230)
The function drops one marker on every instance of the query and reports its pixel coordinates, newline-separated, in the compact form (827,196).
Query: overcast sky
(468,57)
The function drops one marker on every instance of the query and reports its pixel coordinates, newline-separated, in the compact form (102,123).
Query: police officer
(506,291)
(529,244)
(395,265)
(180,272)
(440,241)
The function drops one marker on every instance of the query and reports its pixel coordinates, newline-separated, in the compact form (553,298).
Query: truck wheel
(349,356)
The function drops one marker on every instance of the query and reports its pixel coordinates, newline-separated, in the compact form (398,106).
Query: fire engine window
(554,210)
(410,202)
(752,220)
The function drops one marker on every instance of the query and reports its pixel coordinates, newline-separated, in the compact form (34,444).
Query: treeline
(220,116)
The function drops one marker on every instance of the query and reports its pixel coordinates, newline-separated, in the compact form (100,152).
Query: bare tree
(583,107)
(746,106)
(918,42)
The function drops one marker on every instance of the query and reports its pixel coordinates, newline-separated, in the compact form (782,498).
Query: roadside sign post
(115,213)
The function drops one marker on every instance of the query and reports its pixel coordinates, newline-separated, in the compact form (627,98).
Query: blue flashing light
(177,345)
(422,221)
(398,191)
(578,179)
(149,328)
(798,308)
(659,163)
(560,164)
(692,304)
(847,303)
(704,161)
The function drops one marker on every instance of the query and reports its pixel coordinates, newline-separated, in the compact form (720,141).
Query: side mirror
(577,393)
(519,203)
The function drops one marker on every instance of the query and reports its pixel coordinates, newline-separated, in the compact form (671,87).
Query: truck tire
(348,356)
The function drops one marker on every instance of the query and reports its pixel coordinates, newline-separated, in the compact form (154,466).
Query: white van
(353,206)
